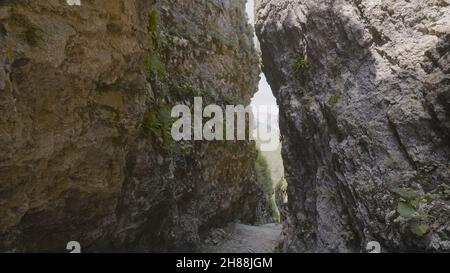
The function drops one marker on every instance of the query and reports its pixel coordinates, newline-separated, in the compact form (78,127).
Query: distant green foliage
(299,64)
(265,181)
(334,98)
(263,174)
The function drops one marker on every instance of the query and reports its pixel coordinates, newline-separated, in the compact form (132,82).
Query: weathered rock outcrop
(364,94)
(85,93)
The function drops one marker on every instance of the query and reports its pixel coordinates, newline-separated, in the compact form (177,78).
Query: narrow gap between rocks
(265,235)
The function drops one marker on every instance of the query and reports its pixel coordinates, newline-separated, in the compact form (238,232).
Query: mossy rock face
(157,124)
(86,97)
(153,21)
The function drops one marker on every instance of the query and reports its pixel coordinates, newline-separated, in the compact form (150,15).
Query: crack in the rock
(401,145)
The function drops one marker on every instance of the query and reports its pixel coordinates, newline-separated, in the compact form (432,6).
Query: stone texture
(80,157)
(363,88)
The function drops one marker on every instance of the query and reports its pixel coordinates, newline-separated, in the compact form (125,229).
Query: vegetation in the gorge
(299,64)
(157,124)
(154,67)
(411,208)
(153,21)
(277,248)
(414,206)
(262,170)
(348,233)
(281,190)
(167,48)
(266,183)
(334,99)
(301,90)
(331,195)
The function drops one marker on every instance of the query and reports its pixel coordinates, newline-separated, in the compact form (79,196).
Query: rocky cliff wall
(85,98)
(364,89)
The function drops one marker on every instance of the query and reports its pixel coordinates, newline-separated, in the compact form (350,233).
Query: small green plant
(153,21)
(410,208)
(165,42)
(392,164)
(277,248)
(334,98)
(301,90)
(157,124)
(445,191)
(426,168)
(429,197)
(348,234)
(299,64)
(154,67)
(406,193)
(331,195)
